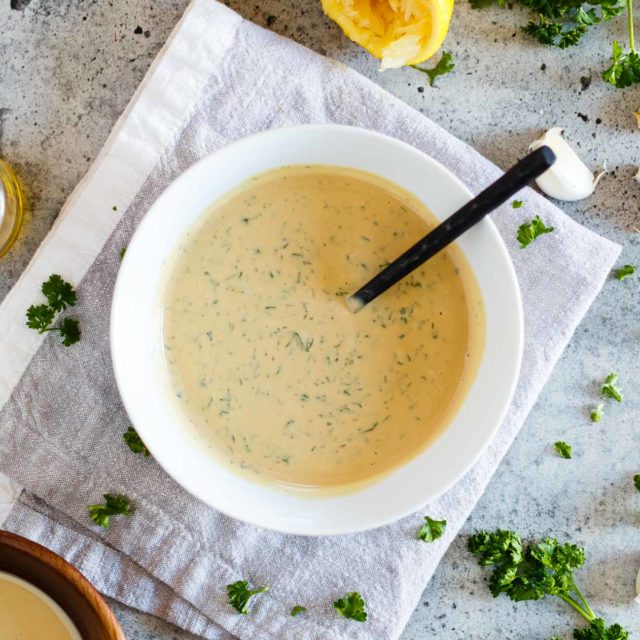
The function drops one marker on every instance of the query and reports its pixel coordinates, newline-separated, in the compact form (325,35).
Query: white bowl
(136,334)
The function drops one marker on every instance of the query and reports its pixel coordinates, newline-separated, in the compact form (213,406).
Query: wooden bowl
(65,584)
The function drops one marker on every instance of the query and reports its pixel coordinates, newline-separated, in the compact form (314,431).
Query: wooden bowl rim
(70,574)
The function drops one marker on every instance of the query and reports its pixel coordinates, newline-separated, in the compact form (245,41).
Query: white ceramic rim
(137,350)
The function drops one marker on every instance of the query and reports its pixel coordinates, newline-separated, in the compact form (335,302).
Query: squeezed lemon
(398,32)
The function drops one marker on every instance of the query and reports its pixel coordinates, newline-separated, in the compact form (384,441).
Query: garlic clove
(569,178)
(637,115)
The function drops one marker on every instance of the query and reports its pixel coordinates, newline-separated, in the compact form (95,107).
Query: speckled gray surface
(68,70)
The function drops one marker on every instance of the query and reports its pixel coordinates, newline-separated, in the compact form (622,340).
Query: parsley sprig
(563,23)
(443,66)
(351,606)
(541,569)
(239,595)
(114,505)
(625,68)
(60,295)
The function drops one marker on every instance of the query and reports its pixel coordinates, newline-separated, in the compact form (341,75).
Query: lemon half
(398,32)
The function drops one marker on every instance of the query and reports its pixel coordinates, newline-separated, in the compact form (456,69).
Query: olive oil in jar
(11,207)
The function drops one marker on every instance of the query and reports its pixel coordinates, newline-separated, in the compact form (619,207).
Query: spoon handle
(530,167)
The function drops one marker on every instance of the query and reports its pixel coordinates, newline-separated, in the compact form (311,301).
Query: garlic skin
(568,179)
(637,176)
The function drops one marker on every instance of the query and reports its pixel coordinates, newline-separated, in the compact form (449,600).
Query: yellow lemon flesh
(398,32)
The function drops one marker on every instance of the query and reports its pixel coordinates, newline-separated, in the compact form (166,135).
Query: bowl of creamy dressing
(250,380)
(42,597)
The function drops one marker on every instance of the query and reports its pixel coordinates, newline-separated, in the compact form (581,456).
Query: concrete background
(67,70)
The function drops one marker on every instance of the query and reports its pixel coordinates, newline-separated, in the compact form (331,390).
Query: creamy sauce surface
(27,613)
(274,374)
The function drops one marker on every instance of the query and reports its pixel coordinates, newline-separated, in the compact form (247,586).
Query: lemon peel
(398,32)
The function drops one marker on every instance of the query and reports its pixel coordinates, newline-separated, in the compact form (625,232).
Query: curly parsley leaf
(351,606)
(40,317)
(597,413)
(563,449)
(431,529)
(636,481)
(529,231)
(123,250)
(598,630)
(625,68)
(114,505)
(297,610)
(59,293)
(443,66)
(543,569)
(69,330)
(625,271)
(239,595)
(134,442)
(517,204)
(610,390)
(545,31)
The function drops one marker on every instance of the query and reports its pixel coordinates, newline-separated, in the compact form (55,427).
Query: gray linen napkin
(217,79)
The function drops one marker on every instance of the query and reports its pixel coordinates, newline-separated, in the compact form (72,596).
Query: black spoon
(527,169)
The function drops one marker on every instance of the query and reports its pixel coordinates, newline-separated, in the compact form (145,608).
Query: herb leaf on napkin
(114,505)
(431,529)
(135,443)
(351,606)
(529,231)
(239,595)
(60,295)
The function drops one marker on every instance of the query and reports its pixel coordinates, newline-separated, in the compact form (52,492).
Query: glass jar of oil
(11,207)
